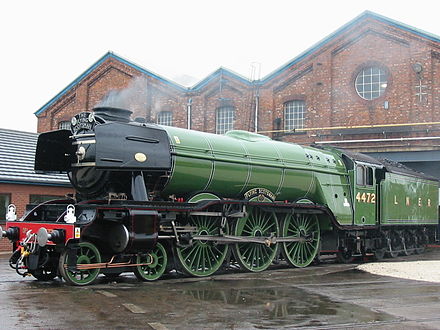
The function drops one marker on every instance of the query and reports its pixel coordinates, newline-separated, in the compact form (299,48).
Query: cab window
(364,175)
(360,175)
(369,176)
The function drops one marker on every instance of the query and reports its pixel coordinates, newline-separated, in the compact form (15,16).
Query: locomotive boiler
(151,199)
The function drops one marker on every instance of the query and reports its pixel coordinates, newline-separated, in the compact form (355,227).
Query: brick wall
(5,244)
(324,80)
(20,197)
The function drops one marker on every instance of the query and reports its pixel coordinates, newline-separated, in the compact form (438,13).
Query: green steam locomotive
(152,199)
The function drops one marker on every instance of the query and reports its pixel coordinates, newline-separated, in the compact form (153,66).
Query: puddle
(279,306)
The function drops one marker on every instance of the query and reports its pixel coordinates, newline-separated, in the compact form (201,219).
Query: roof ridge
(203,82)
(365,14)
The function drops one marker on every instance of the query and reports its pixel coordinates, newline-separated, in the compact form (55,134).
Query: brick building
(372,86)
(19,184)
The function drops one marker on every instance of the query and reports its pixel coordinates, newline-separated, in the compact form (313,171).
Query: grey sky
(46,44)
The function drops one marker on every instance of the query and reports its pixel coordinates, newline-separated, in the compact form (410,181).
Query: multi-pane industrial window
(165,118)
(5,200)
(371,83)
(224,120)
(64,125)
(294,115)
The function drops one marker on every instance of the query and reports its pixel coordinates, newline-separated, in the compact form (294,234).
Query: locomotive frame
(151,199)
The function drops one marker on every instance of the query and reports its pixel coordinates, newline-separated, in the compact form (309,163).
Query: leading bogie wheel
(305,226)
(151,265)
(203,258)
(47,267)
(251,256)
(86,253)
(44,274)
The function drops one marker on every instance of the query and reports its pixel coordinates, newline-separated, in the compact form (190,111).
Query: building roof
(365,15)
(97,64)
(222,71)
(17,153)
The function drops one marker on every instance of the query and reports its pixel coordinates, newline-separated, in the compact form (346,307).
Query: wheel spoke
(301,254)
(156,269)
(256,256)
(203,258)
(87,253)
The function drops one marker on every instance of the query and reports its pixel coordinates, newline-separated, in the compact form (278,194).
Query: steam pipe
(188,113)
(380,140)
(346,127)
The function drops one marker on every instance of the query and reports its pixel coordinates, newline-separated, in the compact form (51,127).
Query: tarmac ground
(325,296)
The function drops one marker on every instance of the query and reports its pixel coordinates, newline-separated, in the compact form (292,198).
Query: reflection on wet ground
(281,306)
(325,296)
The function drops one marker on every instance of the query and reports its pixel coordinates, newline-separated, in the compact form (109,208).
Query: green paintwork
(203,197)
(364,208)
(230,165)
(394,209)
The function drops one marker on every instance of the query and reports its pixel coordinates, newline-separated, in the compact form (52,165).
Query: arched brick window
(224,119)
(294,114)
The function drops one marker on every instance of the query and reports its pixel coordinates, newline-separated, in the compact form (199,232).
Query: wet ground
(327,296)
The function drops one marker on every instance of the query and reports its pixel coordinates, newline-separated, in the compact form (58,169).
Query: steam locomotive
(152,199)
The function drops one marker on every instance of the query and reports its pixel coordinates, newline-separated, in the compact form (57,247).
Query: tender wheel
(396,243)
(203,258)
(87,253)
(301,254)
(379,254)
(157,262)
(380,249)
(256,257)
(345,256)
(421,240)
(410,243)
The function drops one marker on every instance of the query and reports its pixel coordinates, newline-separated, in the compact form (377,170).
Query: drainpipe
(257,105)
(188,113)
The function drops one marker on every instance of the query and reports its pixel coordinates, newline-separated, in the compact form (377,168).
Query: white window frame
(224,119)
(371,83)
(165,118)
(65,124)
(294,114)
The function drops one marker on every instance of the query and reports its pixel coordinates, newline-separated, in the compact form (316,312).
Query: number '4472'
(366,198)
